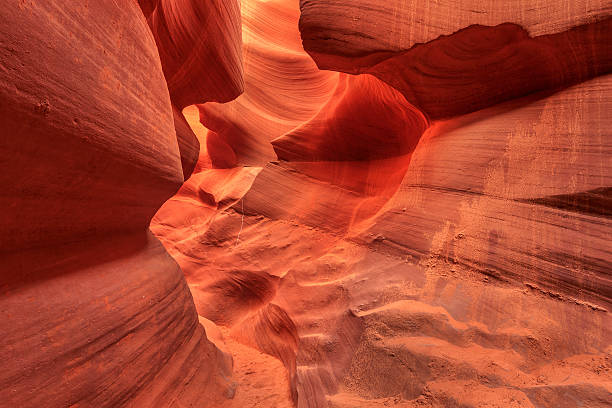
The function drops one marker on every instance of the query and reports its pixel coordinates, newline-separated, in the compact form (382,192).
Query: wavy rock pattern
(283,87)
(493,58)
(95,313)
(382,125)
(105,322)
(513,188)
(188,143)
(193,35)
(363,26)
(427,227)
(391,258)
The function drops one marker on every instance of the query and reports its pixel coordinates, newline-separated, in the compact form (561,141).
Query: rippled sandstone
(95,313)
(429,230)
(352,204)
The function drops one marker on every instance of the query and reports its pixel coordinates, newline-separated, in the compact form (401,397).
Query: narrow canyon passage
(306,203)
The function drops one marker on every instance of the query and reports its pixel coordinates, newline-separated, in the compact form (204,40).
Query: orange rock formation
(360,203)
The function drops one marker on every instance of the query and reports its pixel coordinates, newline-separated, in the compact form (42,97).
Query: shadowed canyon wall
(94,312)
(351,203)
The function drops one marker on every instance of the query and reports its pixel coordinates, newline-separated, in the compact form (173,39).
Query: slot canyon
(305,203)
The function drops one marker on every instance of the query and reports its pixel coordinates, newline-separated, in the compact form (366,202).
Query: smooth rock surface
(94,312)
(427,227)
(391,258)
(199,46)
(450,59)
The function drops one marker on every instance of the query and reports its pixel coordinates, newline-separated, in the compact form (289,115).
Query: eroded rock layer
(425,222)
(199,47)
(94,312)
(500,54)
(430,231)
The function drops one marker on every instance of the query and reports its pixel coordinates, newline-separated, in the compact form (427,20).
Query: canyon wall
(95,313)
(423,222)
(351,203)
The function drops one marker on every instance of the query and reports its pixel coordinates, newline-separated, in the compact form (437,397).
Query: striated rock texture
(199,47)
(428,227)
(188,143)
(486,53)
(94,312)
(409,205)
(283,88)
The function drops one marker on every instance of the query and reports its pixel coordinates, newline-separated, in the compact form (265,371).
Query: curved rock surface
(362,26)
(188,143)
(379,120)
(77,127)
(427,227)
(106,322)
(199,47)
(94,312)
(283,87)
(453,66)
(429,232)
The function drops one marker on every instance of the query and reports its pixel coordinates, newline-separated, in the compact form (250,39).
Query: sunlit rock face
(351,204)
(94,312)
(411,206)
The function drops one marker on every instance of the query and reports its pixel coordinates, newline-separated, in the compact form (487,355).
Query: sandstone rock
(188,143)
(95,313)
(81,153)
(283,87)
(103,323)
(419,261)
(448,66)
(365,119)
(427,227)
(199,47)
(365,26)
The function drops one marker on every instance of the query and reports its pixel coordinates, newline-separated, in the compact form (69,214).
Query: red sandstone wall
(386,203)
(430,232)
(95,313)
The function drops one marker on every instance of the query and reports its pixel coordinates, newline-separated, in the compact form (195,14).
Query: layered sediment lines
(283,87)
(447,70)
(429,232)
(382,124)
(95,313)
(199,45)
(363,26)
(425,222)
